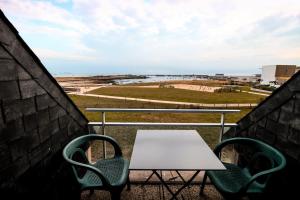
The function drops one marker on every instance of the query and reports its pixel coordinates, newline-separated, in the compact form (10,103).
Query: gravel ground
(154,192)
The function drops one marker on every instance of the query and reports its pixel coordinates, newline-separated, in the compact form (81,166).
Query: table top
(172,150)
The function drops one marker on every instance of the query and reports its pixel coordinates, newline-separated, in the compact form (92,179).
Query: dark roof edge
(11,26)
(273,93)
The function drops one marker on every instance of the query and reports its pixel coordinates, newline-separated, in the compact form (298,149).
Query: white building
(276,74)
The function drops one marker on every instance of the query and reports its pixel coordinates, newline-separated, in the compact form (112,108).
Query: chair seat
(231,180)
(115,170)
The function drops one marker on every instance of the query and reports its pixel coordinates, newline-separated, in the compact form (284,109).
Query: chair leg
(203,183)
(77,195)
(91,191)
(128,183)
(115,194)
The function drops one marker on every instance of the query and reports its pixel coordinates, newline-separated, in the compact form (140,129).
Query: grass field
(172,94)
(126,135)
(84,102)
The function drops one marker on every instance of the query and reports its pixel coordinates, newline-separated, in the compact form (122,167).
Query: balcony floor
(151,192)
(154,189)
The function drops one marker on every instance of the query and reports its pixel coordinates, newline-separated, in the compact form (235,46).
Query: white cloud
(45,20)
(43,11)
(73,56)
(62,1)
(165,32)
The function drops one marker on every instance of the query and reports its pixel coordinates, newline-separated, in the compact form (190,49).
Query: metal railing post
(222,127)
(103,133)
(89,150)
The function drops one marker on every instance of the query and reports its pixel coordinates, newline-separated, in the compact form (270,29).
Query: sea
(159,78)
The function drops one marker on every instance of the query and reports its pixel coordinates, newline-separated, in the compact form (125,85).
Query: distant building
(245,79)
(277,74)
(219,75)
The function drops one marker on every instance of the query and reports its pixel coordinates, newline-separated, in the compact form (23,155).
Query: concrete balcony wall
(36,120)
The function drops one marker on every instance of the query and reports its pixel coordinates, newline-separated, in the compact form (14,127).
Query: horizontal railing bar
(160,124)
(161,110)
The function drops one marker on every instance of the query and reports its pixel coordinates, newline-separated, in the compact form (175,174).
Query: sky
(84,37)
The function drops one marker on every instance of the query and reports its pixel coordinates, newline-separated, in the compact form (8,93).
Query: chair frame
(267,149)
(74,147)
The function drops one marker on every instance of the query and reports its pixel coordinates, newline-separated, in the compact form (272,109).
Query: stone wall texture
(36,119)
(276,121)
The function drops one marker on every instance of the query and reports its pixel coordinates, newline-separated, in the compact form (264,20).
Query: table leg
(180,176)
(164,183)
(186,184)
(160,193)
(162,187)
(147,180)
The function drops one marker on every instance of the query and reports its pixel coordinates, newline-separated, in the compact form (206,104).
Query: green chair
(106,174)
(252,178)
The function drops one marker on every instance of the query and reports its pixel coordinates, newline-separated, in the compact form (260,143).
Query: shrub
(226,89)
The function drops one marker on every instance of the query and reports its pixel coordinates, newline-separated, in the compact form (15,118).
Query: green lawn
(84,101)
(126,135)
(172,94)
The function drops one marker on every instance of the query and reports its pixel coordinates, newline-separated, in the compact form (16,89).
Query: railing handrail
(162,110)
(160,124)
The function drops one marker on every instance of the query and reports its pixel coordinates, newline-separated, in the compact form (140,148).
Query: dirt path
(261,94)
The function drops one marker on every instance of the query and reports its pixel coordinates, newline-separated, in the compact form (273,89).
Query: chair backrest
(74,154)
(263,153)
(277,160)
(73,146)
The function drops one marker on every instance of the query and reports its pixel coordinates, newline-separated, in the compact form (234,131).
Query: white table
(172,150)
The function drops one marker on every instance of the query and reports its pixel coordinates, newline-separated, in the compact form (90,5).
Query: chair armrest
(91,168)
(259,174)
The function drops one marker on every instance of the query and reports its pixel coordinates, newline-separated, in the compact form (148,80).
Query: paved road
(231,105)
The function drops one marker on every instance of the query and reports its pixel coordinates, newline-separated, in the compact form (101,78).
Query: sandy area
(80,85)
(201,88)
(83,86)
(86,84)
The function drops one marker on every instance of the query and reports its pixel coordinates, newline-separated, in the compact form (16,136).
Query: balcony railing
(102,112)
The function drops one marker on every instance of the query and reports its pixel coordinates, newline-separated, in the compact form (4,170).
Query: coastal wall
(36,120)
(276,121)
